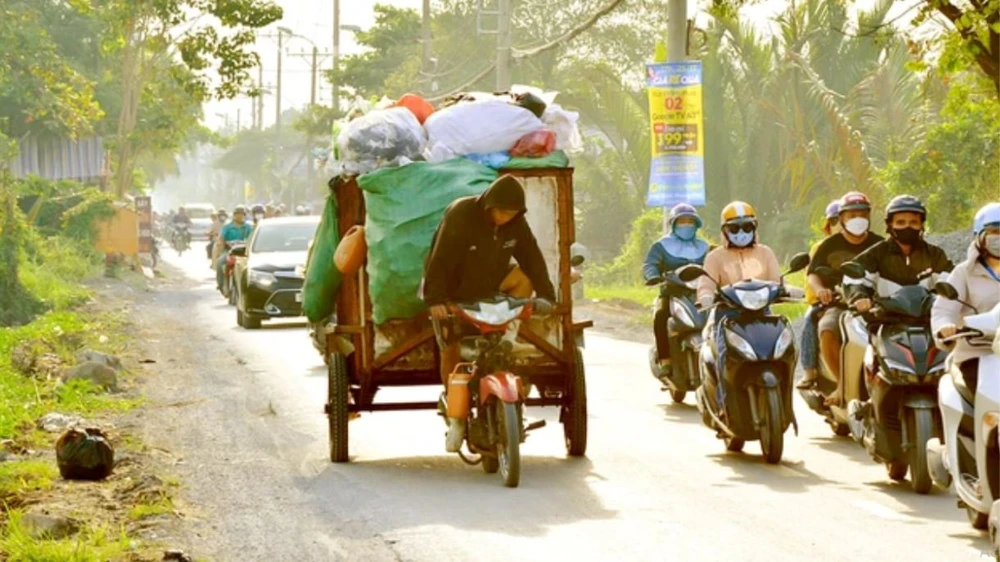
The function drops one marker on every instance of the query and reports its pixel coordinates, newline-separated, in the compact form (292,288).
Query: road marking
(879,510)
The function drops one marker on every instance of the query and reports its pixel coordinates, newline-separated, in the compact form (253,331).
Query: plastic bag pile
(486,128)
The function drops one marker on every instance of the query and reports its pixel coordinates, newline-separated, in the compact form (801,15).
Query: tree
(389,44)
(210,37)
(976,33)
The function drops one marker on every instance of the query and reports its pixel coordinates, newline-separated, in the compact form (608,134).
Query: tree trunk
(131,86)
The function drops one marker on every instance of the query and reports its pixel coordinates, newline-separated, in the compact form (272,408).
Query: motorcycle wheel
(734,444)
(979,521)
(231,293)
(841,430)
(678,396)
(772,433)
(922,429)
(574,413)
(508,420)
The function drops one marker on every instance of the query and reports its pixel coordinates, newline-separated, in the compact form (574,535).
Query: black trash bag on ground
(84,454)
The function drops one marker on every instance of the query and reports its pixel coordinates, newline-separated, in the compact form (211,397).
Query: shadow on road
(683,413)
(429,490)
(749,467)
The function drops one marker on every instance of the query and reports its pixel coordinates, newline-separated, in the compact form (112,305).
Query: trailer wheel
(336,407)
(574,411)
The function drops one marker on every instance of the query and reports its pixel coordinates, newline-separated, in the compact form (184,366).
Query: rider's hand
(825,296)
(439,312)
(863,305)
(653,281)
(948,330)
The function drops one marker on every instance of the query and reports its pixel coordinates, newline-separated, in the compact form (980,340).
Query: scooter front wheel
(772,431)
(921,422)
(508,420)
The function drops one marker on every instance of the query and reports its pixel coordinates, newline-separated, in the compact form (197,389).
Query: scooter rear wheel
(979,521)
(678,396)
(734,444)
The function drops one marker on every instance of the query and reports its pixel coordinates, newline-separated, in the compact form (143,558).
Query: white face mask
(857,226)
(992,245)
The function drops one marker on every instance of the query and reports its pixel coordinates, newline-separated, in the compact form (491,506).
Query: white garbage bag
(565,124)
(381,138)
(479,127)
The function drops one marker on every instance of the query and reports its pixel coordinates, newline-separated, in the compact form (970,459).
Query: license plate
(298,297)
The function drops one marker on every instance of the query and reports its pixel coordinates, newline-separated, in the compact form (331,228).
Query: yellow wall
(119,235)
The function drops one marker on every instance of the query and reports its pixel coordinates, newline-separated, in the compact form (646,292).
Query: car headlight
(754,300)
(740,344)
(784,341)
(261,278)
(680,312)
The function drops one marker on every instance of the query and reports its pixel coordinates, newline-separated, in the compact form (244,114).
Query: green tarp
(319,292)
(404,207)
(557,159)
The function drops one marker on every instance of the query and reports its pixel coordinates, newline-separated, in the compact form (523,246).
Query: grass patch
(20,477)
(638,294)
(162,505)
(90,545)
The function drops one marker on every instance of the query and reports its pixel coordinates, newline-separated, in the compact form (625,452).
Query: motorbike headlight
(261,278)
(494,314)
(740,344)
(680,312)
(754,300)
(784,341)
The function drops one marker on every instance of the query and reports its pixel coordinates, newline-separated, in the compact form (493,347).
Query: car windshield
(283,237)
(198,212)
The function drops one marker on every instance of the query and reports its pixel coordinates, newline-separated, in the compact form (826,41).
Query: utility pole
(259,114)
(676,52)
(336,57)
(504,41)
(426,35)
(277,95)
(239,119)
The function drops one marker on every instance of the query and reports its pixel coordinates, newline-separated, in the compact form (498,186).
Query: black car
(269,281)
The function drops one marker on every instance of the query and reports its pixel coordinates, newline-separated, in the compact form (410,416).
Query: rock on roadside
(43,525)
(98,373)
(55,422)
(91,356)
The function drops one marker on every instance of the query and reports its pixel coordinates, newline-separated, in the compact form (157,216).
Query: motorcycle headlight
(494,314)
(740,344)
(261,278)
(754,300)
(784,341)
(680,312)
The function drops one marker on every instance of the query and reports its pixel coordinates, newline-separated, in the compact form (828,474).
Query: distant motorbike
(685,328)
(180,239)
(749,396)
(485,392)
(970,455)
(902,369)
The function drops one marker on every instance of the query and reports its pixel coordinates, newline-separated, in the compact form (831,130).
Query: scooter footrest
(535,425)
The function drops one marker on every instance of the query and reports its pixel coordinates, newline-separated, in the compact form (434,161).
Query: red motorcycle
(484,391)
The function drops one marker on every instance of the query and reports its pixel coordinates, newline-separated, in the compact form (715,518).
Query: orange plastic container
(459,395)
(351,251)
(421,108)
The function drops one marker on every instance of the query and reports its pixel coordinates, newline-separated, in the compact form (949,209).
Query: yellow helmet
(738,212)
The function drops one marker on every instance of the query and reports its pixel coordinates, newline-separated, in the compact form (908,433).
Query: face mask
(740,239)
(991,244)
(908,236)
(686,232)
(857,226)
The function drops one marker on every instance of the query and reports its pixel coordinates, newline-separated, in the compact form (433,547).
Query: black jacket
(470,256)
(887,261)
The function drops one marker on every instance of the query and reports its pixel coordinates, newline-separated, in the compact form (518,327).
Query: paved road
(656,484)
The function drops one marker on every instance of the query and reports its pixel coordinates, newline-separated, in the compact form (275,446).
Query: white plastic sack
(565,124)
(381,138)
(479,127)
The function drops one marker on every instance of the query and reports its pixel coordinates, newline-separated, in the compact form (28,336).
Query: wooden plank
(342,329)
(580,326)
(396,353)
(538,341)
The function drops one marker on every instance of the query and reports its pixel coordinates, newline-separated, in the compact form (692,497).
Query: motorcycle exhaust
(937,465)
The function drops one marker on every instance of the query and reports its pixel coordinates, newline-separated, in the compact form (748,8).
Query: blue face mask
(740,239)
(686,232)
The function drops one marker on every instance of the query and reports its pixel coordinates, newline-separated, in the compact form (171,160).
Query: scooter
(970,456)
(902,368)
(684,328)
(748,396)
(234,249)
(180,239)
(483,390)
(854,335)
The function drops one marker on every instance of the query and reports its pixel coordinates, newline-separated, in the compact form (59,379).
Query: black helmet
(258,209)
(905,204)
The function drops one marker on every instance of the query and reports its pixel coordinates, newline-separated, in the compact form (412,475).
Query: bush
(80,222)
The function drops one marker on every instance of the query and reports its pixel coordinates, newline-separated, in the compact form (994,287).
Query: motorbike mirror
(853,269)
(946,290)
(577,260)
(799,262)
(689,273)
(239,251)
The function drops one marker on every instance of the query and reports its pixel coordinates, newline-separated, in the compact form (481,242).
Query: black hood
(506,193)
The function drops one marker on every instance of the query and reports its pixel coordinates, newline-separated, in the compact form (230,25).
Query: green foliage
(16,304)
(955,169)
(54,271)
(389,43)
(627,267)
(974,39)
(18,477)
(81,221)
(90,545)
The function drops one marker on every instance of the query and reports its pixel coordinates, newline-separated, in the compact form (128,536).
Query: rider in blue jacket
(679,248)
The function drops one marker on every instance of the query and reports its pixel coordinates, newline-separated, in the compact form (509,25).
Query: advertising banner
(677,168)
(144,210)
